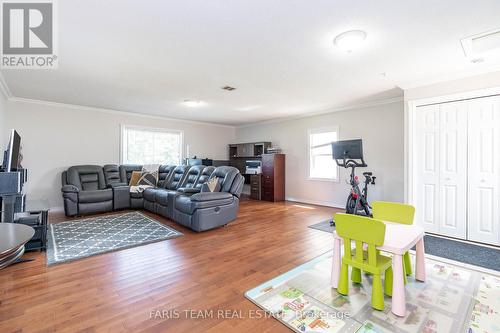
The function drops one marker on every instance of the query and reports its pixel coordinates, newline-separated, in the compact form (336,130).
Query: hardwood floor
(118,291)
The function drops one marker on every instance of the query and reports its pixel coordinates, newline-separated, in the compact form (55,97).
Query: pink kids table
(399,238)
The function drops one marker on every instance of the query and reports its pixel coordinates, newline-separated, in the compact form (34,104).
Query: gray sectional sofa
(179,194)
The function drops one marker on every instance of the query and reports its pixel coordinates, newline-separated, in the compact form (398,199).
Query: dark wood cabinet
(243,150)
(255,186)
(270,185)
(273,177)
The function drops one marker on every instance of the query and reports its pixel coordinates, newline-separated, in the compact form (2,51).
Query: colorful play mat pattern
(453,299)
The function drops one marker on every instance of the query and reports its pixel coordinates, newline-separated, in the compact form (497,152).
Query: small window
(151,146)
(321,163)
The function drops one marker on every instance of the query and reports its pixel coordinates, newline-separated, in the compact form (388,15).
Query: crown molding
(450,77)
(9,96)
(110,111)
(5,88)
(326,111)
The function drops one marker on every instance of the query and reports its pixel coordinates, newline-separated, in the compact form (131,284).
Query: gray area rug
(323,226)
(447,248)
(72,240)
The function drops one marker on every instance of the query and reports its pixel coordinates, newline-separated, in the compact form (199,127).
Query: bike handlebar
(351,163)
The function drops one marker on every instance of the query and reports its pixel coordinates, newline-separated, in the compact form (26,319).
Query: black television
(12,156)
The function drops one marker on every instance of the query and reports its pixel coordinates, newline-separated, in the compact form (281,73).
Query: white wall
(55,137)
(467,84)
(3,125)
(380,127)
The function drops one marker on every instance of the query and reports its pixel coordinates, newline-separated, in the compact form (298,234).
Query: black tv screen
(13,153)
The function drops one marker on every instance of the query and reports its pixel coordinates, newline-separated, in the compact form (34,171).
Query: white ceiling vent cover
(481,44)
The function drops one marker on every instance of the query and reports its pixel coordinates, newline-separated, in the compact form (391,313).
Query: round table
(13,236)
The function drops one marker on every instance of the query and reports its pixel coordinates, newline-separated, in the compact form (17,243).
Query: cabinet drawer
(255,188)
(267,178)
(268,182)
(268,187)
(255,194)
(255,179)
(267,195)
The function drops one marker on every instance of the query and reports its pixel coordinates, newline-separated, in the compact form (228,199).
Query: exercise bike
(357,201)
(346,154)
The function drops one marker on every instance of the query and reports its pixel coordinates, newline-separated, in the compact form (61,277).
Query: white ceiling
(149,56)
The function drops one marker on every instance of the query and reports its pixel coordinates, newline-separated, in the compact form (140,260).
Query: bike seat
(367,173)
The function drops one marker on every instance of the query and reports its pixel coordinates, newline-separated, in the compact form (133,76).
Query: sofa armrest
(188,190)
(209,196)
(70,195)
(70,189)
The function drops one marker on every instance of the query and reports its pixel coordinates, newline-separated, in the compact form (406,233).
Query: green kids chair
(398,213)
(364,230)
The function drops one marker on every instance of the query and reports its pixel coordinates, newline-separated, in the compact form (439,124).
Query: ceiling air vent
(228,88)
(481,44)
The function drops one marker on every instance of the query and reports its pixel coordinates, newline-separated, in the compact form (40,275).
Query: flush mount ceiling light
(193,103)
(350,40)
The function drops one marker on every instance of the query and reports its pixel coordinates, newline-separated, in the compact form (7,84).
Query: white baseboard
(317,202)
(56,209)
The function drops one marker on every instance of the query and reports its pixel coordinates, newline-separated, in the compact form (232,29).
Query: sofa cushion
(149,194)
(95,196)
(86,177)
(164,173)
(111,174)
(192,176)
(138,195)
(205,175)
(226,175)
(186,205)
(126,171)
(162,196)
(177,177)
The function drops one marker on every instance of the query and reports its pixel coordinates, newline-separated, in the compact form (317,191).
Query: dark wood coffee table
(13,236)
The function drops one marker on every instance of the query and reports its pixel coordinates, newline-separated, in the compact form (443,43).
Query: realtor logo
(28,32)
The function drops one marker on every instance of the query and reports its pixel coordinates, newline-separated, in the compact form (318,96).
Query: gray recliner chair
(207,210)
(85,191)
(156,199)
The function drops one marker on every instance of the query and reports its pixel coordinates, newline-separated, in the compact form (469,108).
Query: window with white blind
(321,164)
(142,145)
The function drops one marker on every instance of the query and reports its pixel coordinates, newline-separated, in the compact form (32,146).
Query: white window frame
(309,152)
(151,129)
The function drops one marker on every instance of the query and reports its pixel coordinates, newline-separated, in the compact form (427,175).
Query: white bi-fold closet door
(457,168)
(484,170)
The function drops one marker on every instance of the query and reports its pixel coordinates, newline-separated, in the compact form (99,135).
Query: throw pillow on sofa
(212,185)
(148,178)
(134,178)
